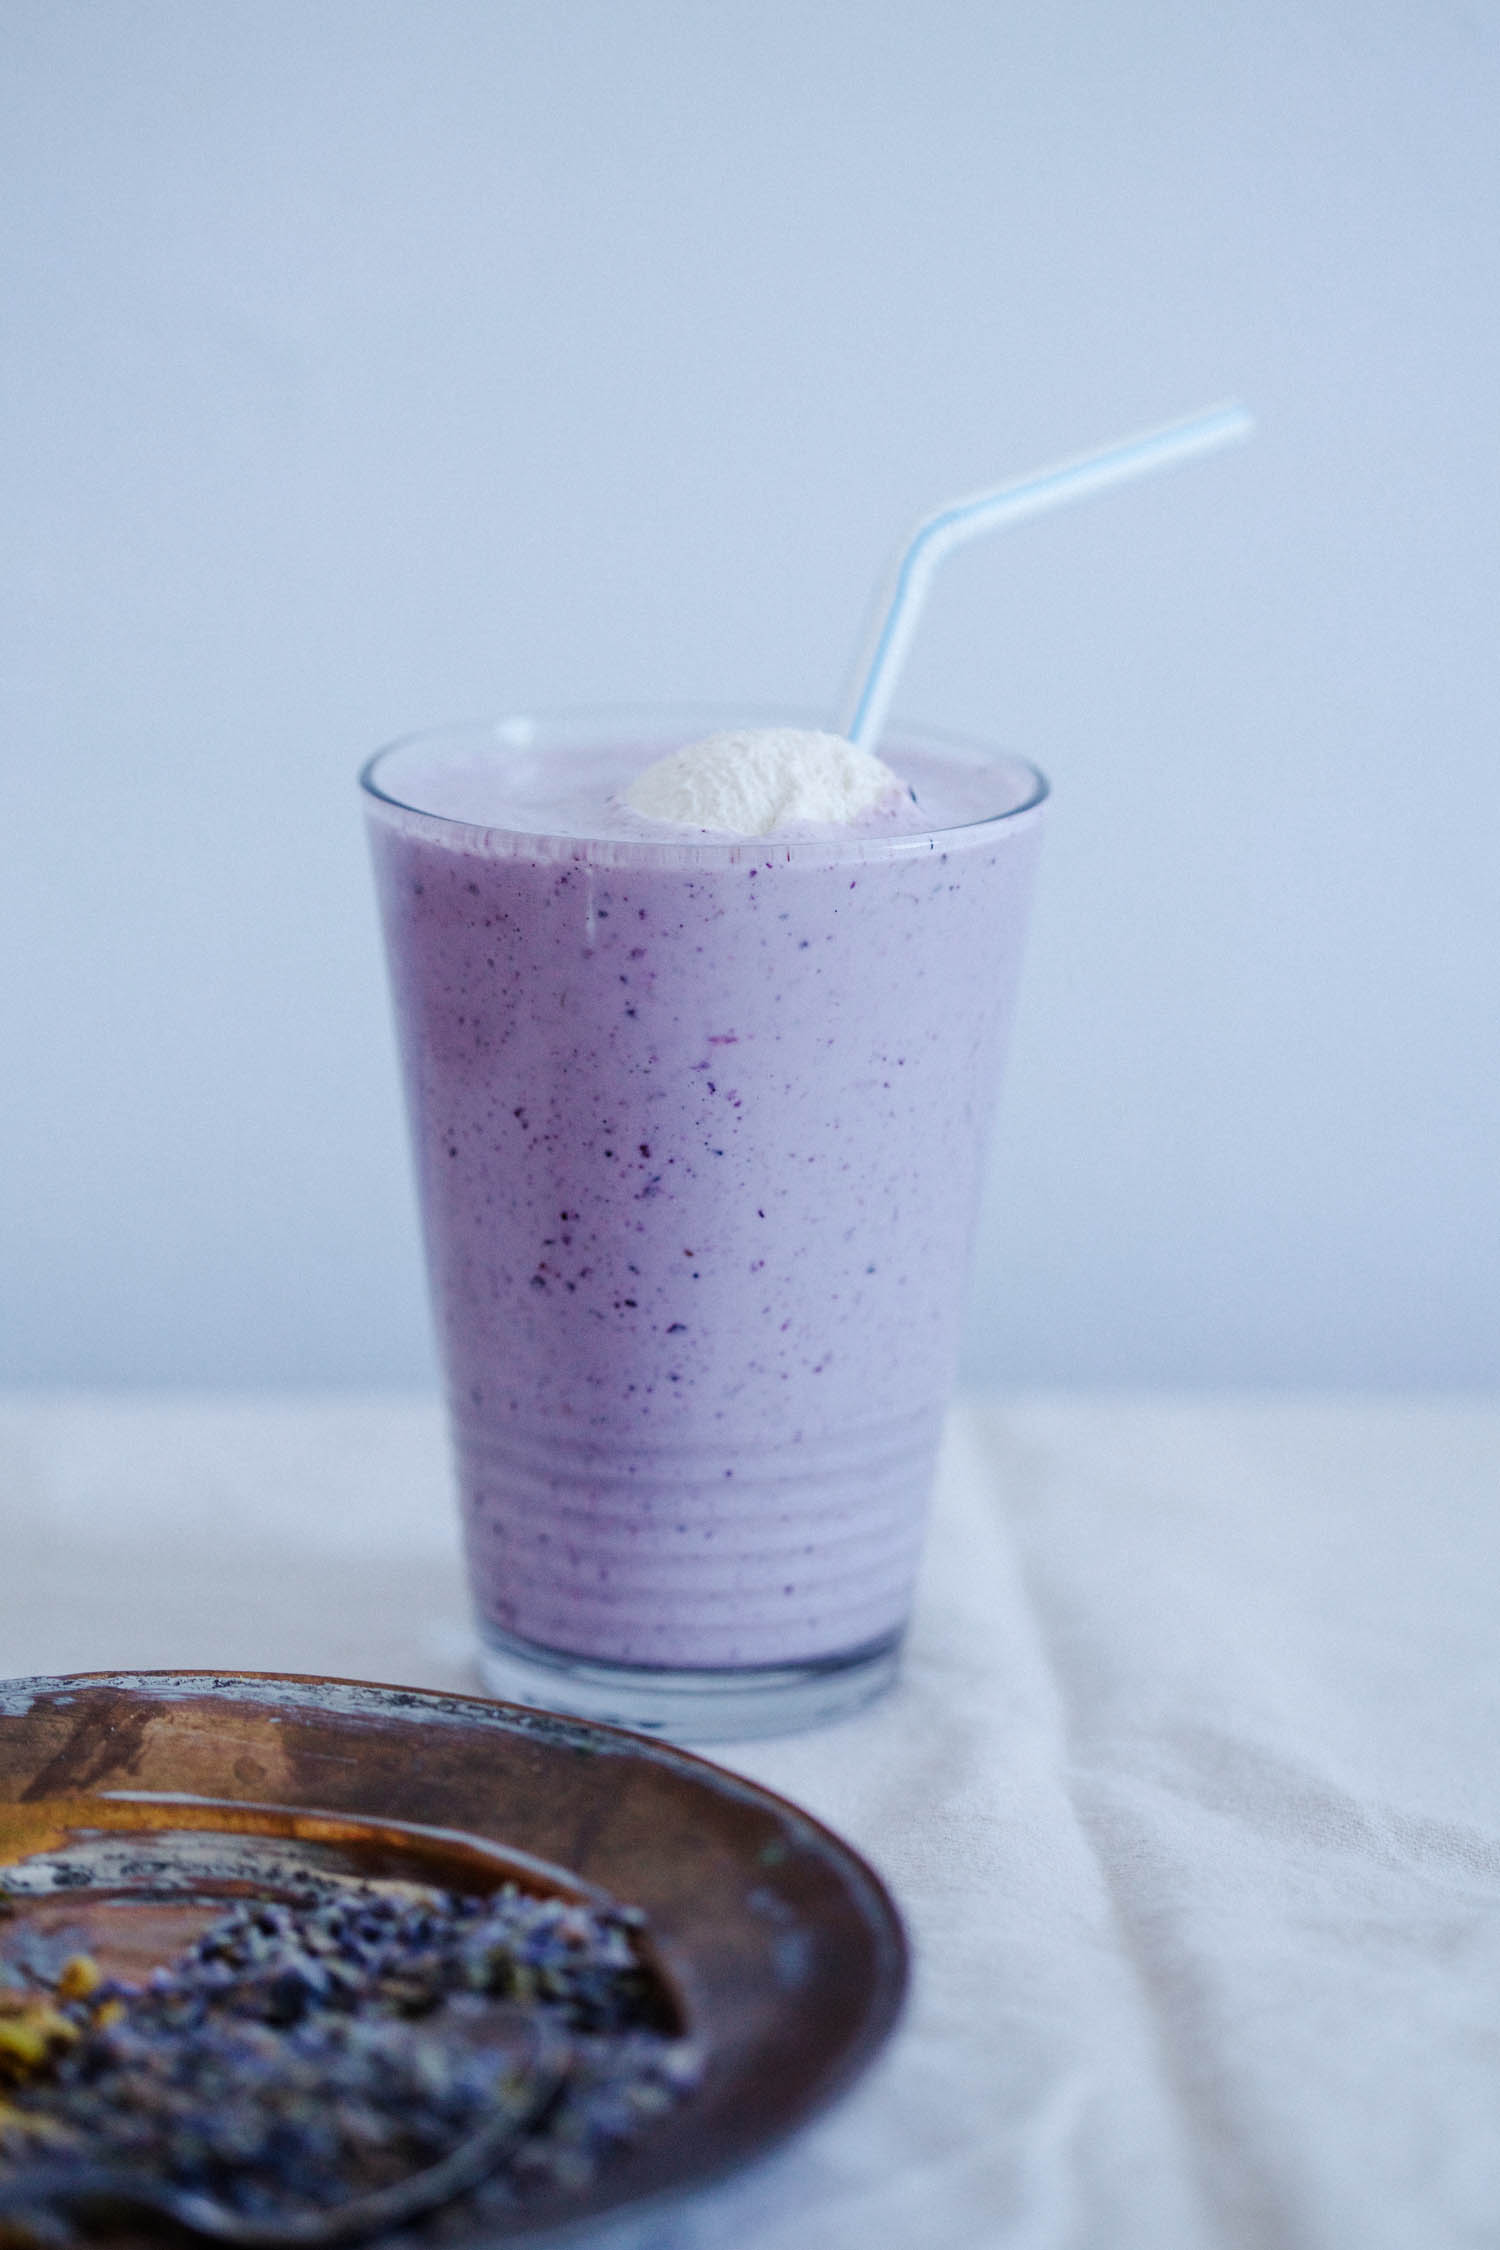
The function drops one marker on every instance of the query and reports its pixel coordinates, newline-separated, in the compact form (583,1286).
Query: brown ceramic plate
(781,1948)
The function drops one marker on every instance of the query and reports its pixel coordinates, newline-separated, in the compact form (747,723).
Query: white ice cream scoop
(758,779)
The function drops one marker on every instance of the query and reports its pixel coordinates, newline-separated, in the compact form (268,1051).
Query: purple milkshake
(698,1125)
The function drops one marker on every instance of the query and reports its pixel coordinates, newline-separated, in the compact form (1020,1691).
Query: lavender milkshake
(698,1122)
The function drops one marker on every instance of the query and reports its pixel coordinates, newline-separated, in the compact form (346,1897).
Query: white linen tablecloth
(1189,1793)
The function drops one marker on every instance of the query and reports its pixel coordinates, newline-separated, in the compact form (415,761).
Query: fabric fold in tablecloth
(1242,1689)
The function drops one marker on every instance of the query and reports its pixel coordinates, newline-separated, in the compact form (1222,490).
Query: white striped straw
(896,615)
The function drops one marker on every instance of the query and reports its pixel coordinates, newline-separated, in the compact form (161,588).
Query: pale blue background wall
(369,364)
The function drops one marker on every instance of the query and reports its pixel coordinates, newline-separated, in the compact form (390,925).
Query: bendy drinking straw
(899,607)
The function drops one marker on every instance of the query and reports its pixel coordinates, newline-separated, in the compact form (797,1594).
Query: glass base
(689,1706)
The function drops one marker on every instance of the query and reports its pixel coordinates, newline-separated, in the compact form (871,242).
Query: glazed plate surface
(781,1948)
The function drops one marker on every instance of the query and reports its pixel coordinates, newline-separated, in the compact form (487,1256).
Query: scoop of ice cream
(757,779)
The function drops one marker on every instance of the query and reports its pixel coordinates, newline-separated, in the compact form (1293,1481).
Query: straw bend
(996,509)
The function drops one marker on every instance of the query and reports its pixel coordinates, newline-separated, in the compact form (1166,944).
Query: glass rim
(599,723)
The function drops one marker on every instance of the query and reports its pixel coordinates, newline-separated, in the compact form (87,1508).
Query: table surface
(1189,1791)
